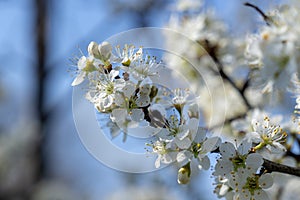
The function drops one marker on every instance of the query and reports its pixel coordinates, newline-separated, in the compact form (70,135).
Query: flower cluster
(121,84)
(236,173)
(181,140)
(268,135)
(274,51)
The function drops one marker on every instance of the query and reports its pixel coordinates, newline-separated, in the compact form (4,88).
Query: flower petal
(276,147)
(118,115)
(119,99)
(261,195)
(265,181)
(244,147)
(137,115)
(93,49)
(227,150)
(105,50)
(128,89)
(183,134)
(157,161)
(223,168)
(143,101)
(79,79)
(183,144)
(254,160)
(200,136)
(253,137)
(204,163)
(211,144)
(245,195)
(166,159)
(183,157)
(81,63)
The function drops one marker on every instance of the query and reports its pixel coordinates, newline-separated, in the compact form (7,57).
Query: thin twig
(231,82)
(265,17)
(245,86)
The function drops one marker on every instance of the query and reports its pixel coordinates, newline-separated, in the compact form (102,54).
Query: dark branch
(40,70)
(245,86)
(241,91)
(271,166)
(265,17)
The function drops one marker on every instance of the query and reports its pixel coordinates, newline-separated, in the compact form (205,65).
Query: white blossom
(274,51)
(127,55)
(222,188)
(268,135)
(249,186)
(145,67)
(129,104)
(233,158)
(108,85)
(187,5)
(85,65)
(164,153)
(200,147)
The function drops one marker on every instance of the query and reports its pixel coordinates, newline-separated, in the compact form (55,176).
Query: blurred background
(41,156)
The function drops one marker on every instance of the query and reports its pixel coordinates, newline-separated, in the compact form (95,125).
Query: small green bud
(184,174)
(126,62)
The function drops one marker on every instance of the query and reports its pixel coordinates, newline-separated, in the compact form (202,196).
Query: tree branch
(265,17)
(271,166)
(241,91)
(40,71)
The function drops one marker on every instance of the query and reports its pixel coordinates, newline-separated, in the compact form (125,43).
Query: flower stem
(259,146)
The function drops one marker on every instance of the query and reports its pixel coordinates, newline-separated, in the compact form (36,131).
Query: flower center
(195,149)
(109,88)
(238,162)
(252,184)
(89,66)
(132,104)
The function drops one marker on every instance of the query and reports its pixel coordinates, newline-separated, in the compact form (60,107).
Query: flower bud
(93,49)
(105,50)
(184,174)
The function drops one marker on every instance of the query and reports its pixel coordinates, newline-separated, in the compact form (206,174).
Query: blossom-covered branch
(120,83)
